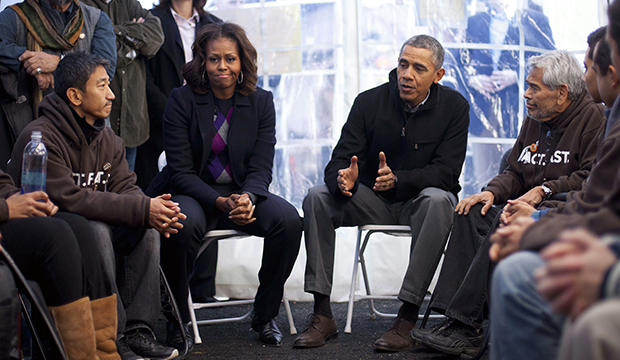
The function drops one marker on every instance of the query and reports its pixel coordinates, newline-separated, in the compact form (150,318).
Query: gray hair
(427,42)
(560,67)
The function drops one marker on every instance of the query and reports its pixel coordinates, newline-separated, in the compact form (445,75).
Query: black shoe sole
(271,345)
(451,350)
(308,346)
(388,349)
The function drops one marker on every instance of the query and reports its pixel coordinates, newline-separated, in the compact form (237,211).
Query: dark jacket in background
(163,73)
(15,111)
(18,88)
(431,153)
(135,43)
(485,118)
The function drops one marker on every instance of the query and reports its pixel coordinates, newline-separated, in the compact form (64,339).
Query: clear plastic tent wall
(317,55)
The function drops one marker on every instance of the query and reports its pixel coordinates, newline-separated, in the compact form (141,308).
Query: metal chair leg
(289,315)
(216,235)
(192,316)
(359,260)
(347,327)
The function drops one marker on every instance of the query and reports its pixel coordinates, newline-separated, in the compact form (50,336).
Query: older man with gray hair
(419,128)
(531,289)
(553,154)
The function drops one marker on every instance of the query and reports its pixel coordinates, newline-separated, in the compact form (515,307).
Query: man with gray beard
(31,45)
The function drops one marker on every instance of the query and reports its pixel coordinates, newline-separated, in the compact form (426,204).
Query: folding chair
(215,235)
(360,247)
(40,322)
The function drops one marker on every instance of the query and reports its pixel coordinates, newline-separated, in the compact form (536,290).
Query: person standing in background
(490,76)
(180,21)
(138,37)
(27,65)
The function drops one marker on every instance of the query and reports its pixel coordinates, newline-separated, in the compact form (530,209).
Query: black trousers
(60,254)
(9,308)
(277,221)
(462,288)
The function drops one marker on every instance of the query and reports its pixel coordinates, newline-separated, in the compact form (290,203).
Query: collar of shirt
(187,31)
(412,110)
(60,20)
(181,21)
(89,130)
(614,115)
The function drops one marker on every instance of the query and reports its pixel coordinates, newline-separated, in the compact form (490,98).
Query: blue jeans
(130,156)
(132,258)
(522,324)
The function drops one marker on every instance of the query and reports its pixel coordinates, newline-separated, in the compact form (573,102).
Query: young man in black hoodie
(87,174)
(419,128)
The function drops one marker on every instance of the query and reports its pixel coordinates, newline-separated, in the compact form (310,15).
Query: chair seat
(397,228)
(227,234)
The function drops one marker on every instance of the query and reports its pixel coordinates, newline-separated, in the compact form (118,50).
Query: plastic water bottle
(34,164)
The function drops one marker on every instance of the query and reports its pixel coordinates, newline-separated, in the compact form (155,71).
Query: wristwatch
(548,192)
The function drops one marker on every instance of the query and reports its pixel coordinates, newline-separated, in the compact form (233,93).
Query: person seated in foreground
(87,174)
(523,324)
(219,138)
(553,154)
(58,250)
(580,279)
(398,161)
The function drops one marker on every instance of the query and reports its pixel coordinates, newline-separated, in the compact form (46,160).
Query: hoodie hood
(562,121)
(56,109)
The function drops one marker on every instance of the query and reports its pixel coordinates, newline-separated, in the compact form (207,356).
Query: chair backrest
(161,161)
(8,312)
(44,332)
(215,235)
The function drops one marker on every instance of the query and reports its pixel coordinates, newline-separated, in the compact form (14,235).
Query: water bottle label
(33,181)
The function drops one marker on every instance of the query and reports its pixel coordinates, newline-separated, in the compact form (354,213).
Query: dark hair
(197,4)
(74,70)
(602,56)
(427,42)
(194,71)
(593,39)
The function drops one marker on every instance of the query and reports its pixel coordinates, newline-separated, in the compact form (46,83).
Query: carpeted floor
(236,341)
